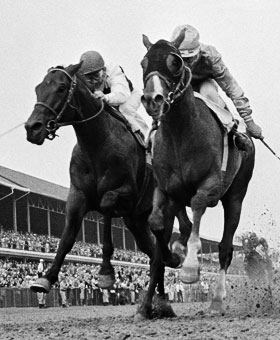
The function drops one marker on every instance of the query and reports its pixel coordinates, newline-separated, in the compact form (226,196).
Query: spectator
(62,290)
(105,296)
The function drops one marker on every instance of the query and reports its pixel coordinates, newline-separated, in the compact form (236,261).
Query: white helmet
(190,46)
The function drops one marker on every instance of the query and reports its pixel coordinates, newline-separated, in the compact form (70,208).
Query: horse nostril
(33,127)
(37,126)
(158,99)
(143,100)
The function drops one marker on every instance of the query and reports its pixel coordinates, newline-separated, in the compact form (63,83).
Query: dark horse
(258,266)
(108,168)
(188,163)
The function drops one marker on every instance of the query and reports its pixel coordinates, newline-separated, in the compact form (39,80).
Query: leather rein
(54,124)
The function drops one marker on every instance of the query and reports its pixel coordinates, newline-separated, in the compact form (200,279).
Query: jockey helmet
(92,62)
(190,46)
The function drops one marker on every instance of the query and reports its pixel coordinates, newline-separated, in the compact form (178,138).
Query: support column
(28,216)
(14,214)
(49,222)
(98,231)
(83,230)
(123,232)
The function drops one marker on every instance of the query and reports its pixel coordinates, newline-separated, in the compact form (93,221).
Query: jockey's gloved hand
(99,95)
(254,130)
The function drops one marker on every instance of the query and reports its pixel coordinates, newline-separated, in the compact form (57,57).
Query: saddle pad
(224,116)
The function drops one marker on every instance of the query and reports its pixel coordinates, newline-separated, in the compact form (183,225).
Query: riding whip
(269,148)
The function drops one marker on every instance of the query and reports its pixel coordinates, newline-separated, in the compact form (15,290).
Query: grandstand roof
(20,181)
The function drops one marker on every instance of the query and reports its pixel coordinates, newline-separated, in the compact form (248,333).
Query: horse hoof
(109,201)
(106,281)
(174,262)
(138,317)
(189,275)
(179,249)
(217,306)
(156,221)
(41,285)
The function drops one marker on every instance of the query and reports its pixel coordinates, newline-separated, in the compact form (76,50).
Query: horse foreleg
(190,271)
(139,227)
(106,275)
(156,216)
(161,222)
(162,307)
(118,201)
(75,211)
(185,228)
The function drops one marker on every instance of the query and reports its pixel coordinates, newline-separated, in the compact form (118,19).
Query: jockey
(209,71)
(262,248)
(109,83)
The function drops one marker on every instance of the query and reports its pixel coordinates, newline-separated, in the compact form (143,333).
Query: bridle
(176,90)
(54,124)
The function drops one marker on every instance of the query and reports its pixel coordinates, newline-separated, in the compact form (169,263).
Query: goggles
(94,75)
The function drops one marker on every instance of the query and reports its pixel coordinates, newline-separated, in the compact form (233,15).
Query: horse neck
(93,132)
(182,114)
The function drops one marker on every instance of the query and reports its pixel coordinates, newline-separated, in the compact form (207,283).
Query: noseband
(176,90)
(54,124)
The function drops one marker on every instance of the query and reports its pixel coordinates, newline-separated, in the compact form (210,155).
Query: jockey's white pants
(129,110)
(209,89)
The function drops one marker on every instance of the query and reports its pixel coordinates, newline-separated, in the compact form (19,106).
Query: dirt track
(116,322)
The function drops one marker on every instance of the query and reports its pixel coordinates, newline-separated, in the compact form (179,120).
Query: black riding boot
(241,140)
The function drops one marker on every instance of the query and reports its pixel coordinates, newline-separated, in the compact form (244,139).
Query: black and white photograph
(139,170)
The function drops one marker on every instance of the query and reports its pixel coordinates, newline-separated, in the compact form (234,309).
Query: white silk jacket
(118,85)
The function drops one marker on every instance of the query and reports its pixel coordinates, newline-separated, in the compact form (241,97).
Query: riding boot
(241,140)
(140,137)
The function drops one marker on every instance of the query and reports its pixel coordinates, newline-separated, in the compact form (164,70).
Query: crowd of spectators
(16,273)
(84,277)
(49,244)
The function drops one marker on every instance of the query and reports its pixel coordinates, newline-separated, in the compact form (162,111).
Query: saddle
(228,123)
(119,116)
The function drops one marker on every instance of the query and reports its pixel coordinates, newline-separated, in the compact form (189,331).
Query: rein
(176,91)
(175,94)
(54,124)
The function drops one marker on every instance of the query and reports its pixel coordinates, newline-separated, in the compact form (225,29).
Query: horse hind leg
(232,210)
(106,275)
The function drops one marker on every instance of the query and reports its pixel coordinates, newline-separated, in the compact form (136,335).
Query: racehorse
(188,162)
(258,266)
(108,168)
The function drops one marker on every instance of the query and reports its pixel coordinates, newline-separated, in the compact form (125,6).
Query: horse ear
(146,42)
(177,42)
(73,69)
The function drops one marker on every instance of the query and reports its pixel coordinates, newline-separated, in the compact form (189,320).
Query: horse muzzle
(35,132)
(155,105)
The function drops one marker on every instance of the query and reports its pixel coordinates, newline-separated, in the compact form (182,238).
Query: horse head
(55,100)
(164,74)
(247,245)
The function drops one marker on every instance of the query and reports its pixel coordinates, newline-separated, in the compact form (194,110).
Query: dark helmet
(92,61)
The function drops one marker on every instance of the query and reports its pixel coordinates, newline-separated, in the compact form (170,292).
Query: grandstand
(34,208)
(30,204)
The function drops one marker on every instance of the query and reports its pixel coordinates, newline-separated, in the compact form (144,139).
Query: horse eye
(144,63)
(174,64)
(61,87)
